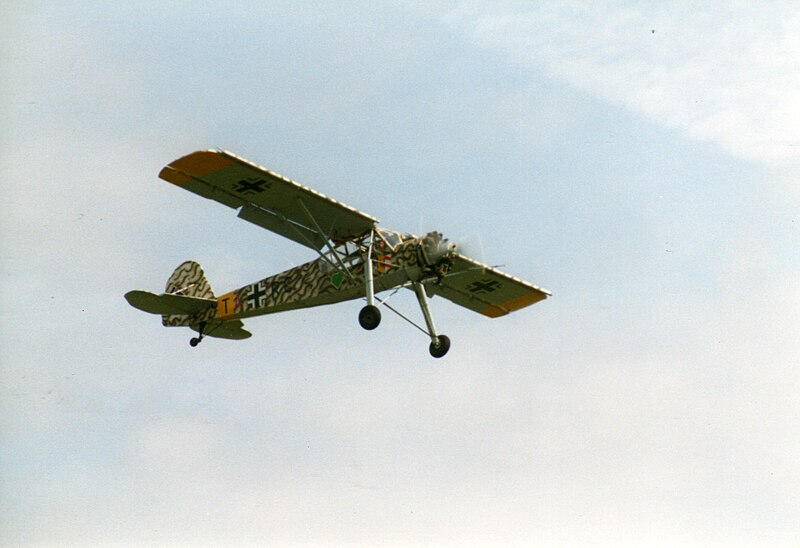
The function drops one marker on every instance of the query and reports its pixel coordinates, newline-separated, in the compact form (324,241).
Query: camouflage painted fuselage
(320,282)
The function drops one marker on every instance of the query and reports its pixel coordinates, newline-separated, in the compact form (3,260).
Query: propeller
(472,246)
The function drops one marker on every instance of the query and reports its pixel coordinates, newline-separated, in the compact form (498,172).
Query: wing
(267,199)
(484,289)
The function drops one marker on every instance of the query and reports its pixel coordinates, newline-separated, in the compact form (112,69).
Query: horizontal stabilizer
(167,304)
(230,329)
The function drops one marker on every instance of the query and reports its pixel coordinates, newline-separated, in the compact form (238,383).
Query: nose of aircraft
(435,248)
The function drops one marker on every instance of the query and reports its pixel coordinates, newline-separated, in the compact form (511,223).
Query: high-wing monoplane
(356,259)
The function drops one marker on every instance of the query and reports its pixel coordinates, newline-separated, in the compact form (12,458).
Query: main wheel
(194,341)
(440,347)
(369,317)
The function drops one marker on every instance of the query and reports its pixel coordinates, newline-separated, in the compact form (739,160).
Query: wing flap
(484,289)
(237,183)
(282,226)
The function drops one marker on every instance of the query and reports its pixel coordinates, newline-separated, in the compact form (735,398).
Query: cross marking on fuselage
(254,298)
(484,286)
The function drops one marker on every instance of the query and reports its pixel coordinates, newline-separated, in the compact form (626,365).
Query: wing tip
(195,164)
(512,305)
(143,300)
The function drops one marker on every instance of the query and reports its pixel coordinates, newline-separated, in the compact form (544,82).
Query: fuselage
(336,276)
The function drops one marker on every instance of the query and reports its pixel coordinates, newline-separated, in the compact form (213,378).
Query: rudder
(188,280)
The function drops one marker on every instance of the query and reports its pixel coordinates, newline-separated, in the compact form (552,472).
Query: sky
(641,162)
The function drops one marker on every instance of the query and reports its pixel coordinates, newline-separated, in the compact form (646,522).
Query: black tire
(194,341)
(370,317)
(440,349)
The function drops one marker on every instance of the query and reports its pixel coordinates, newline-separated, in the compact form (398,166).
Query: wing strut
(299,233)
(327,240)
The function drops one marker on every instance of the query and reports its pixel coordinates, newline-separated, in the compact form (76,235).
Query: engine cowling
(434,247)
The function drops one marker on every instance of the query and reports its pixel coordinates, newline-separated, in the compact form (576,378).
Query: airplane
(356,259)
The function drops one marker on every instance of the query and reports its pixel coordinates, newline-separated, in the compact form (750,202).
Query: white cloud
(725,75)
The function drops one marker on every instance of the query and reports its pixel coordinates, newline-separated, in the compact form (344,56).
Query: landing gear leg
(440,344)
(370,317)
(194,341)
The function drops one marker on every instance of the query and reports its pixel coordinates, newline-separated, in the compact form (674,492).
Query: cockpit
(350,253)
(392,238)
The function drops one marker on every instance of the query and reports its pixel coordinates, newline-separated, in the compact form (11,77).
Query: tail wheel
(440,347)
(194,341)
(370,317)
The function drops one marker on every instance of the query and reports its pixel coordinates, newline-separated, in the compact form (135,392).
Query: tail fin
(188,280)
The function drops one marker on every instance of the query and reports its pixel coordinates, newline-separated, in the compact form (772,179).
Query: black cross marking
(254,298)
(484,286)
(252,185)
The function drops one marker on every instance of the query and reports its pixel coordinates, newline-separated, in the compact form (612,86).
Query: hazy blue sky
(641,163)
